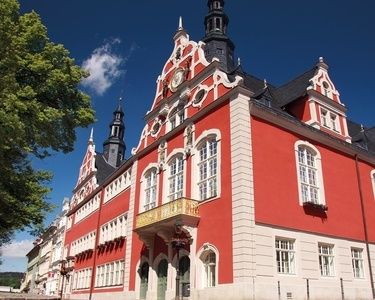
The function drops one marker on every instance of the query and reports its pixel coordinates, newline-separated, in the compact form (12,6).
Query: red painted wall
(300,109)
(215,225)
(275,183)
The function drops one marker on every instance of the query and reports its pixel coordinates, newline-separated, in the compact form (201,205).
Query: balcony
(183,210)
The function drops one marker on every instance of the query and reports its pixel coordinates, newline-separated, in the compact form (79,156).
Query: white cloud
(104,67)
(17,248)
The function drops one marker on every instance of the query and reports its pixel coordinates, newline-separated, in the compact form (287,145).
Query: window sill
(316,206)
(213,198)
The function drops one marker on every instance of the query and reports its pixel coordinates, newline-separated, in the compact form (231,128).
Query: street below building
(22,296)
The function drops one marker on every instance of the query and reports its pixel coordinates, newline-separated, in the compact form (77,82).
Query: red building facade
(237,189)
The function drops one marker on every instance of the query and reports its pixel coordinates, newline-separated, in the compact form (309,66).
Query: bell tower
(114,147)
(217,42)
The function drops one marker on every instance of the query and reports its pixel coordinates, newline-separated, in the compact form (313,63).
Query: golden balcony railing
(182,208)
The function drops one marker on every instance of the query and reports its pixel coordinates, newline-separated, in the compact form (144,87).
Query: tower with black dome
(218,44)
(114,147)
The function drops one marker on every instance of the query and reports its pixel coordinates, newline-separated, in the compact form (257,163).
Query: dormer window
(323,117)
(333,118)
(329,120)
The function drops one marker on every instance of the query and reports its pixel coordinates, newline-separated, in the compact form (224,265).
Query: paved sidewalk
(23,296)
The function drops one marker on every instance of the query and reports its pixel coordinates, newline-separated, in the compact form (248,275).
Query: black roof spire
(217,42)
(114,147)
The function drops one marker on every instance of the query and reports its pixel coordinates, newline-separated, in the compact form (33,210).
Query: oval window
(199,96)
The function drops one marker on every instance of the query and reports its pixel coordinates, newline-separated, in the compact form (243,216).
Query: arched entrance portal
(184,267)
(162,279)
(144,280)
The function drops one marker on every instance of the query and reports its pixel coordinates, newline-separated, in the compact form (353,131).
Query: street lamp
(178,242)
(66,268)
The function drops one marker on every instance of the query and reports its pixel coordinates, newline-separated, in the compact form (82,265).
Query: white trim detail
(129,227)
(166,184)
(243,215)
(207,134)
(319,171)
(200,271)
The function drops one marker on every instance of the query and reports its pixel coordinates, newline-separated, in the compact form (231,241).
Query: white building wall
(307,267)
(243,217)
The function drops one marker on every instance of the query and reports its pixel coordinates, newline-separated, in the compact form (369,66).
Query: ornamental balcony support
(161,220)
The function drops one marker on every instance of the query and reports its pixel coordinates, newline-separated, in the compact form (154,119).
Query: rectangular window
(208,170)
(334,120)
(308,175)
(150,190)
(357,263)
(176,169)
(324,117)
(110,274)
(326,260)
(285,256)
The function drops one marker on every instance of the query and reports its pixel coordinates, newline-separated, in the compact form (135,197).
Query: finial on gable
(180,27)
(265,83)
(91,138)
(321,64)
(180,30)
(238,61)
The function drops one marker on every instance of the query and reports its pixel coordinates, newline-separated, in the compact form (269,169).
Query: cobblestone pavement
(22,296)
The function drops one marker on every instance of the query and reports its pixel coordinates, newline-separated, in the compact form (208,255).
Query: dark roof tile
(104,169)
(294,89)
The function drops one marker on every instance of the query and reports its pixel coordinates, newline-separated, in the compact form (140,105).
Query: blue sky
(125,44)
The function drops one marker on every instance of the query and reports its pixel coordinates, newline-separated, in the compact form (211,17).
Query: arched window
(150,189)
(207,166)
(310,177)
(143,274)
(373,181)
(176,178)
(209,264)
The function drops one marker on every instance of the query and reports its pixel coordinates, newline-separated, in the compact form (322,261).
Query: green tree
(40,108)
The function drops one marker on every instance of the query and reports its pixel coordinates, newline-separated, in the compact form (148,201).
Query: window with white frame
(83,243)
(150,189)
(176,117)
(176,178)
(285,256)
(82,279)
(324,117)
(69,222)
(110,274)
(310,177)
(113,229)
(207,168)
(87,208)
(329,119)
(117,186)
(357,262)
(373,181)
(334,121)
(326,259)
(209,262)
